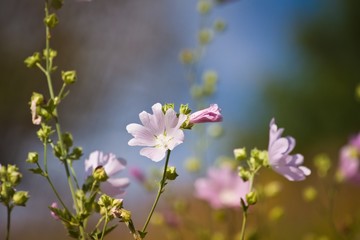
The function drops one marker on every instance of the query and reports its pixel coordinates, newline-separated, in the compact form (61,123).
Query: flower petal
(155,154)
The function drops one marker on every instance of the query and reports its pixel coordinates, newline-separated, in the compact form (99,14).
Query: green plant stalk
(243,226)
(8,224)
(57,125)
(104,226)
(160,191)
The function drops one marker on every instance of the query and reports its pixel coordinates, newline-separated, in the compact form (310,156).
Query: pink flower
(223,188)
(349,165)
(112,186)
(53,214)
(160,132)
(138,174)
(210,114)
(279,155)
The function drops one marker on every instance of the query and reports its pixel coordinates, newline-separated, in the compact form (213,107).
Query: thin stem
(9,208)
(160,191)
(104,227)
(242,236)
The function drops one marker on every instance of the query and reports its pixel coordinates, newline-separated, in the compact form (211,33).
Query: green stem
(9,208)
(242,236)
(160,191)
(104,227)
(57,125)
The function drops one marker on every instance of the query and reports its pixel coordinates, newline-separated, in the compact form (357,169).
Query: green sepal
(37,171)
(142,234)
(76,153)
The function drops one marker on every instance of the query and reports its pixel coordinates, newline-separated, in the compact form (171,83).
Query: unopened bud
(20,198)
(240,154)
(251,198)
(32,60)
(33,157)
(69,77)
(51,21)
(171,173)
(99,174)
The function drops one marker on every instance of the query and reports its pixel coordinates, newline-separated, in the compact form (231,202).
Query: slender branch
(9,209)
(160,191)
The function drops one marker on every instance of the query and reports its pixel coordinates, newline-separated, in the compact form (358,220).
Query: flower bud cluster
(10,177)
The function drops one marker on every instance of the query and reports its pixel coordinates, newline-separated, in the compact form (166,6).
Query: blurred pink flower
(223,188)
(210,114)
(279,155)
(160,132)
(349,165)
(138,174)
(112,186)
(54,205)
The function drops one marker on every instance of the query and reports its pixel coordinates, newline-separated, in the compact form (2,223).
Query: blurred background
(297,61)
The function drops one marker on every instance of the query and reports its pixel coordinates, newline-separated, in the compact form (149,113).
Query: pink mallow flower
(160,132)
(223,188)
(138,174)
(210,114)
(112,165)
(279,155)
(349,163)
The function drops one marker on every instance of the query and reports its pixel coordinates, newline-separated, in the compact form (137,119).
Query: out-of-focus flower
(53,214)
(112,186)
(210,114)
(349,165)
(138,174)
(222,188)
(160,132)
(279,155)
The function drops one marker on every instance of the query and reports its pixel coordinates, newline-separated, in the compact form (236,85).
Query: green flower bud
(32,60)
(167,106)
(99,174)
(219,25)
(105,201)
(205,36)
(240,154)
(52,53)
(69,77)
(171,173)
(20,198)
(14,176)
(204,6)
(187,56)
(33,157)
(76,153)
(7,191)
(51,21)
(309,194)
(184,109)
(244,174)
(125,215)
(251,198)
(44,132)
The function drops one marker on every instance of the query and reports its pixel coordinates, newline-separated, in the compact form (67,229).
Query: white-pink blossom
(158,133)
